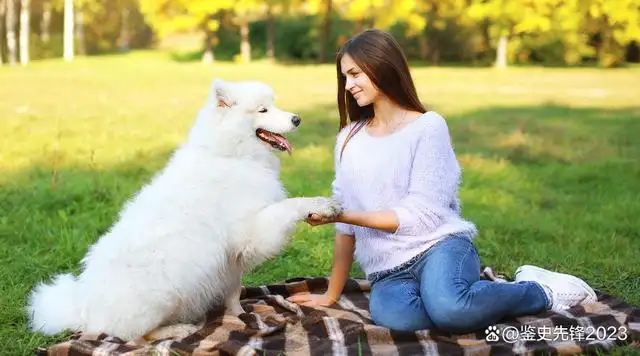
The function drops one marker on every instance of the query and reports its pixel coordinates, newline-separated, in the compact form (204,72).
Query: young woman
(397,177)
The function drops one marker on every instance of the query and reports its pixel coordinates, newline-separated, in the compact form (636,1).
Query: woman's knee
(398,307)
(452,316)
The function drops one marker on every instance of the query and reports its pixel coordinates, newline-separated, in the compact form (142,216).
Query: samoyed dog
(180,246)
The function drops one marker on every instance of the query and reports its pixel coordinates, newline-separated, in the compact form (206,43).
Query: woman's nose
(348,84)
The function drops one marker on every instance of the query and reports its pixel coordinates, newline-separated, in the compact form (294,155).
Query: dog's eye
(262,110)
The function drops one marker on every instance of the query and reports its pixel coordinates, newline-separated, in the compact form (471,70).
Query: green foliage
(303,46)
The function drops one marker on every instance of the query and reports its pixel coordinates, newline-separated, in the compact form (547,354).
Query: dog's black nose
(296,120)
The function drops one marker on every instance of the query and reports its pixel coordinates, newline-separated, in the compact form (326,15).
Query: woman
(397,176)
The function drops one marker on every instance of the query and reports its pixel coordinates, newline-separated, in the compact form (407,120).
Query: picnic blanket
(274,326)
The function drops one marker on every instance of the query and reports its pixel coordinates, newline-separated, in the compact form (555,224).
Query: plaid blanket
(274,326)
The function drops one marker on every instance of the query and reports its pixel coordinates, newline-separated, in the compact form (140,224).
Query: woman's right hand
(308,299)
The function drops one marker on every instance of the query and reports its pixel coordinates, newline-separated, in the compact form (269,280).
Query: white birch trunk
(68,39)
(245,44)
(501,55)
(25,32)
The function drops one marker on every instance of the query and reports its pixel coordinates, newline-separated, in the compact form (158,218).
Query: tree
(11,31)
(79,21)
(2,11)
(325,30)
(612,25)
(25,32)
(245,12)
(175,16)
(277,8)
(510,18)
(68,39)
(45,23)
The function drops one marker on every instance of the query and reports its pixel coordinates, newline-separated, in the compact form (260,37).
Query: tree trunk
(435,49)
(245,44)
(45,23)
(124,30)
(207,56)
(271,33)
(501,54)
(82,49)
(424,46)
(68,30)
(25,31)
(2,12)
(11,32)
(486,39)
(433,35)
(325,32)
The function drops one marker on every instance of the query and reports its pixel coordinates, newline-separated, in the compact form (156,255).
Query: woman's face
(357,82)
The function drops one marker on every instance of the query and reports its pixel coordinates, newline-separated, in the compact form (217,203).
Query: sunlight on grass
(483,165)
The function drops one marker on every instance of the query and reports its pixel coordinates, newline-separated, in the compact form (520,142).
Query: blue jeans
(442,289)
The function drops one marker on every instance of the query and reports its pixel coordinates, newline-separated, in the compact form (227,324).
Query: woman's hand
(307,299)
(315,219)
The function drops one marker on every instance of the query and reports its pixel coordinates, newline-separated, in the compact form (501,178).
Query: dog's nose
(296,120)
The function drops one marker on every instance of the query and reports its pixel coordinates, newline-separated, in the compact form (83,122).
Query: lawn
(551,161)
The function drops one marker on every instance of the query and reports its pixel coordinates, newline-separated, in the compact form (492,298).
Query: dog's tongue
(283,141)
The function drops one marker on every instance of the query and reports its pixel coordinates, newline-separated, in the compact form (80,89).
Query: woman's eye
(262,110)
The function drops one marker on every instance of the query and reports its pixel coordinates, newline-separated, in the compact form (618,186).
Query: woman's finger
(298,298)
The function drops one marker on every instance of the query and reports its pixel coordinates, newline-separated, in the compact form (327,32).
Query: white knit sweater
(413,171)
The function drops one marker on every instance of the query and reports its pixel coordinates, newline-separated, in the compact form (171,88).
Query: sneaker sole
(541,272)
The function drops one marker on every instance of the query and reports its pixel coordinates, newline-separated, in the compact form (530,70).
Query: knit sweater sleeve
(434,179)
(336,185)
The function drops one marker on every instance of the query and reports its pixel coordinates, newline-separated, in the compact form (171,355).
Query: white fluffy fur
(182,243)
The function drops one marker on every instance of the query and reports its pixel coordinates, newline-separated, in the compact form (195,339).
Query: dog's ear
(221,93)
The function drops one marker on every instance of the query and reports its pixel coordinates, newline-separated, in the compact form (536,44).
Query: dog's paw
(174,331)
(324,207)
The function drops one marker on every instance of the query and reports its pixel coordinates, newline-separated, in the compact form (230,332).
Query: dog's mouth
(276,141)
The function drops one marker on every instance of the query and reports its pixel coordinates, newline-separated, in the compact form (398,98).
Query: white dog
(181,245)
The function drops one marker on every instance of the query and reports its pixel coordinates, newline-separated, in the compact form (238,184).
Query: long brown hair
(382,59)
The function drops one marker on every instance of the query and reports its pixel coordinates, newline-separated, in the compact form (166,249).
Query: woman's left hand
(315,219)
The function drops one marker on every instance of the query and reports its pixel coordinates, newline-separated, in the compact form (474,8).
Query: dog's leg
(232,303)
(271,227)
(173,331)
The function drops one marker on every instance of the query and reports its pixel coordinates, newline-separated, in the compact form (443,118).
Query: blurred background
(604,33)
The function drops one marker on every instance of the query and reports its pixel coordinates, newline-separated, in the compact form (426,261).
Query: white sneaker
(564,290)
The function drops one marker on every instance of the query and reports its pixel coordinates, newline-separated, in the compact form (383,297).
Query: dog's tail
(53,308)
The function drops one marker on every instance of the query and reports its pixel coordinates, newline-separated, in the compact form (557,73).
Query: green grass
(551,162)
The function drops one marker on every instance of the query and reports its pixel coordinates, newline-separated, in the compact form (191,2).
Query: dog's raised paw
(326,207)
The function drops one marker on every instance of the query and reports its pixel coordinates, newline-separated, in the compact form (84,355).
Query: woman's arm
(386,220)
(342,260)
